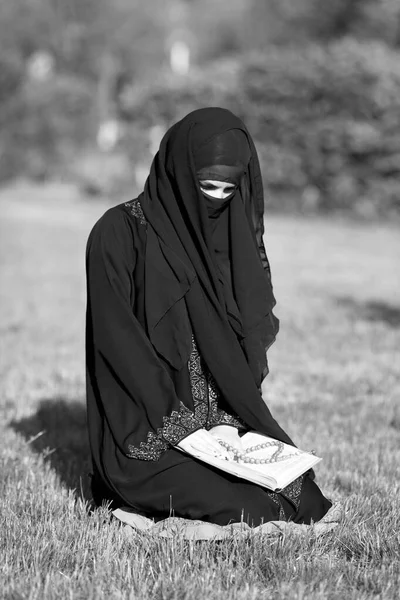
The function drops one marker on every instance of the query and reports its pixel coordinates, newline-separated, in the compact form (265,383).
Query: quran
(264,461)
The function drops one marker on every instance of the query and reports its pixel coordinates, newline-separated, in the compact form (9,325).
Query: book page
(283,473)
(274,475)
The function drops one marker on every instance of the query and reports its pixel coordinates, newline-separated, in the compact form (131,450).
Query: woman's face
(217,189)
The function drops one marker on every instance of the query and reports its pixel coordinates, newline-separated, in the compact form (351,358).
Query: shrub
(327,118)
(42,122)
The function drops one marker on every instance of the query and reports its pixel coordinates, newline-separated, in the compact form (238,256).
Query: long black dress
(139,406)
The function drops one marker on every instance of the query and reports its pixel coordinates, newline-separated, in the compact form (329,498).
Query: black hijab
(186,293)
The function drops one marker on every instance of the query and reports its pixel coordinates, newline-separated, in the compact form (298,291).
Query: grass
(334,385)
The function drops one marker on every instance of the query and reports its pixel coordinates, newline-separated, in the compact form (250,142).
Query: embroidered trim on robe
(180,424)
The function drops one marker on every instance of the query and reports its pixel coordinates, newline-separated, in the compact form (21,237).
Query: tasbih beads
(243,455)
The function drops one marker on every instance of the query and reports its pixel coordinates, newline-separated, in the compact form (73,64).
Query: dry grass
(334,385)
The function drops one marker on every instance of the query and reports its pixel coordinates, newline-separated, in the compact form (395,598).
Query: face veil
(185,295)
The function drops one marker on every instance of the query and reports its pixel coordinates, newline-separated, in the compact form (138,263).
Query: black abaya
(139,406)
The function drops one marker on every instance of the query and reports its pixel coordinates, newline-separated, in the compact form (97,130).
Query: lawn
(334,386)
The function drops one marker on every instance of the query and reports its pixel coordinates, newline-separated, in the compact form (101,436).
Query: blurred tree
(364,19)
(285,21)
(276,21)
(334,19)
(379,20)
(97,42)
(25,26)
(76,32)
(217,28)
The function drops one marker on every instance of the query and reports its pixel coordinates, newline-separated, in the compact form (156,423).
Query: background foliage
(317,83)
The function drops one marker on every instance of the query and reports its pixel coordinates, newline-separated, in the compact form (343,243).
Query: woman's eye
(209,187)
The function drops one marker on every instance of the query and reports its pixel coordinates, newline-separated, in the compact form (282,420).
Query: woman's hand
(202,441)
(228,434)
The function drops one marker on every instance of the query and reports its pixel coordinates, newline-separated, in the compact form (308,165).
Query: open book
(290,462)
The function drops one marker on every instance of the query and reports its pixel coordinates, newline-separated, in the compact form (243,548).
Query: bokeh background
(87,87)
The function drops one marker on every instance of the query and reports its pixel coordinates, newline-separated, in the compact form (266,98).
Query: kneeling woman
(179,318)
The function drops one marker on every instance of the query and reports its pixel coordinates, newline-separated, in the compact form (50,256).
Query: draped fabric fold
(167,280)
(180,247)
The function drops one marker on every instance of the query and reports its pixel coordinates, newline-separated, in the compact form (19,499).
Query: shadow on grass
(58,431)
(372,311)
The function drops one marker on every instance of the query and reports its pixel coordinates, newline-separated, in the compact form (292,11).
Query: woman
(179,318)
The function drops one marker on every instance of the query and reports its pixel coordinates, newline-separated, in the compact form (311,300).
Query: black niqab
(232,337)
